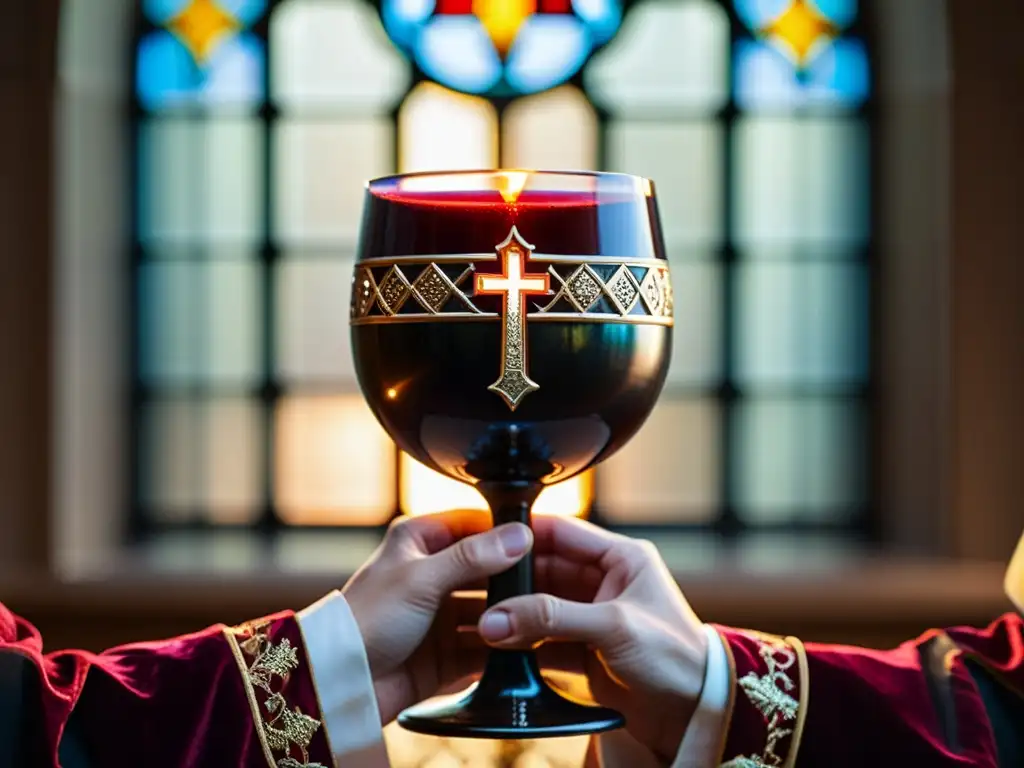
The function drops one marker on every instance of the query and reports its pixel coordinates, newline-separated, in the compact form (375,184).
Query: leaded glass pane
(199,321)
(333,462)
(312,335)
(800,181)
(671,57)
(557,129)
(669,471)
(334,55)
(798,459)
(320,170)
(439,129)
(201,180)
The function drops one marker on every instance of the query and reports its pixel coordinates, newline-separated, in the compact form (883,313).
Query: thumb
(475,557)
(530,619)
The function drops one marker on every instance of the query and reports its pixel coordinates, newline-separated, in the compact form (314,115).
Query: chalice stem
(511,503)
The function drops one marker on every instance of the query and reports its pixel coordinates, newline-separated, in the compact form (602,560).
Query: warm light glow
(502,19)
(333,462)
(392,393)
(439,129)
(801,29)
(201,26)
(511,185)
(422,491)
(516,283)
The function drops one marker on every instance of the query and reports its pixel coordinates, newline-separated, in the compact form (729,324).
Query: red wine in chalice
(511,329)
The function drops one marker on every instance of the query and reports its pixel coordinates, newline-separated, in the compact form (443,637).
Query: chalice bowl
(511,329)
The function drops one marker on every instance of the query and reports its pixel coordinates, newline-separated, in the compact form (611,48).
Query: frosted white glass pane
(202,457)
(800,181)
(554,130)
(312,338)
(199,321)
(320,172)
(232,438)
(439,129)
(685,161)
(669,57)
(333,463)
(801,323)
(696,342)
(169,476)
(669,471)
(333,53)
(200,180)
(798,460)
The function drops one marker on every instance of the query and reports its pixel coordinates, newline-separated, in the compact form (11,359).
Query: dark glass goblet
(511,329)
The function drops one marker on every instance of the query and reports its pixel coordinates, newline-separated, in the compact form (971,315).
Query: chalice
(511,329)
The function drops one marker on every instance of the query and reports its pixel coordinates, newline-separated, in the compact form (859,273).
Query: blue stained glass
(757,14)
(162,11)
(602,18)
(246,11)
(167,75)
(766,79)
(547,51)
(457,52)
(404,19)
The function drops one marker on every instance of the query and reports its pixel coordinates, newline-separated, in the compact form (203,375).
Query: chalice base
(511,701)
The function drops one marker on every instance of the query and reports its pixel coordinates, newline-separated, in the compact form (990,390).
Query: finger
(472,558)
(556,575)
(573,539)
(428,534)
(523,621)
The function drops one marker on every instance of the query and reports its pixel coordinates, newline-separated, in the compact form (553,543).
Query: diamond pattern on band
(423,291)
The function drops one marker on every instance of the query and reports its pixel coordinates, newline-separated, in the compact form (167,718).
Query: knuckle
(398,529)
(468,553)
(547,613)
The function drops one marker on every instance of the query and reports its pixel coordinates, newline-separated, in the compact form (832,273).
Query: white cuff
(703,738)
(344,687)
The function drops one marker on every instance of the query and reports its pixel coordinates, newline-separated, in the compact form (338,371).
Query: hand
(401,599)
(647,649)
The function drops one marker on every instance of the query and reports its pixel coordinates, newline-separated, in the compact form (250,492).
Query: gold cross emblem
(513,285)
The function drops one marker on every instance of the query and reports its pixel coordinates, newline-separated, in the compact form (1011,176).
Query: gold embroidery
(769,693)
(264,664)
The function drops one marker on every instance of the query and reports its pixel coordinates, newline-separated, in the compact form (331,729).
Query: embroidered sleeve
(275,677)
(768,701)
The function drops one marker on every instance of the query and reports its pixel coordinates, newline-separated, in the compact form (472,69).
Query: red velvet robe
(222,697)
(950,698)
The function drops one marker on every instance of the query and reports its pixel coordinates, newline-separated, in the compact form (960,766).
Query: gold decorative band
(410,289)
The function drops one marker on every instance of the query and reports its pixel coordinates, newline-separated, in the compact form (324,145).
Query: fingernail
(515,539)
(495,625)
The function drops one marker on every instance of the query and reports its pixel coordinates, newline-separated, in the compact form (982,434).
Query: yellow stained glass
(800,29)
(502,19)
(203,25)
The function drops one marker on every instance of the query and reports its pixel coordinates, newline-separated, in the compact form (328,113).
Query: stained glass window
(257,122)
